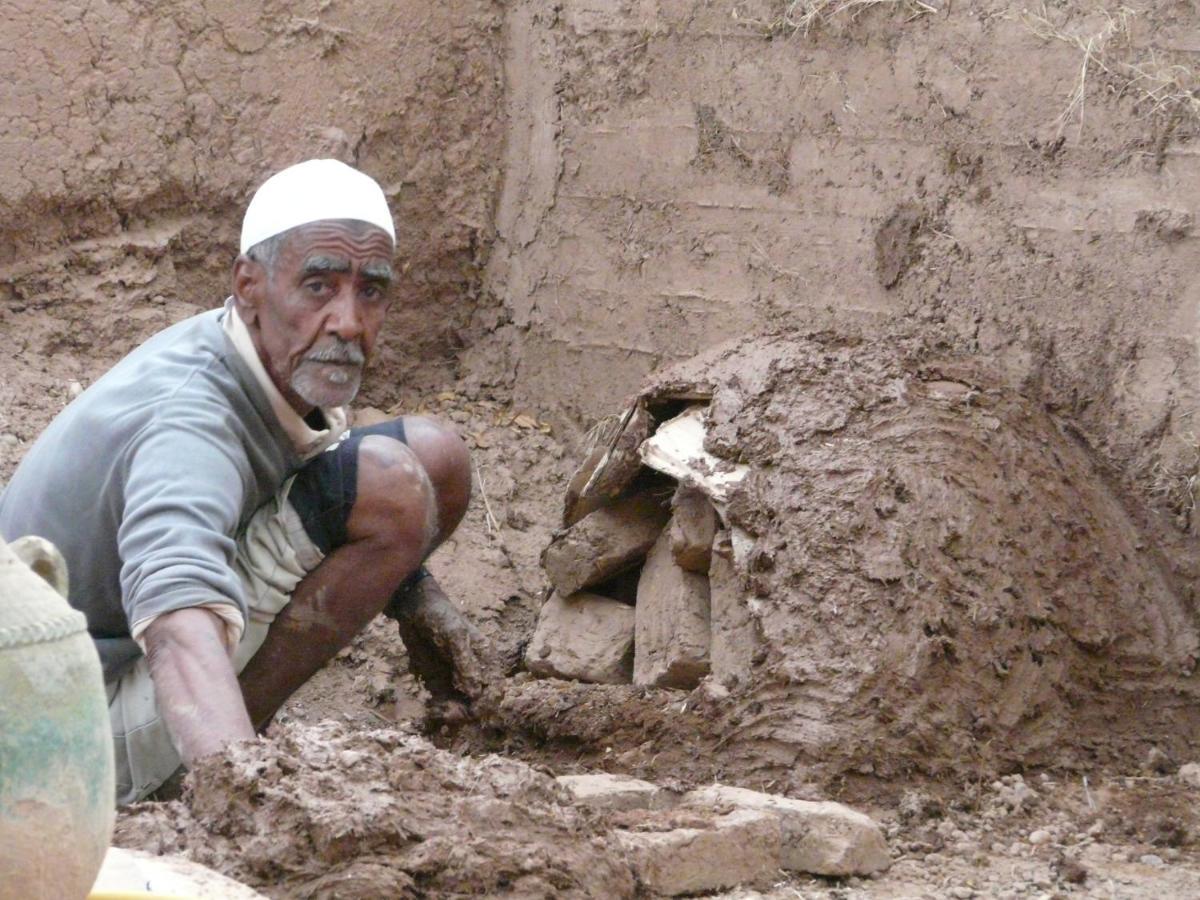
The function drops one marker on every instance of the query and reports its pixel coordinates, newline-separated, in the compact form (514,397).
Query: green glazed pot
(56,753)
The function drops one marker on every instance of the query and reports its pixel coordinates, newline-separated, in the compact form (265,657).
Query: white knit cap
(313,191)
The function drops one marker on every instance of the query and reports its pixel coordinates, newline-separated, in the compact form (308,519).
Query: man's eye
(315,286)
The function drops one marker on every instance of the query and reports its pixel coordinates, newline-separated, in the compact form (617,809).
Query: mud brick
(693,526)
(604,542)
(734,635)
(585,637)
(605,791)
(822,838)
(738,848)
(672,623)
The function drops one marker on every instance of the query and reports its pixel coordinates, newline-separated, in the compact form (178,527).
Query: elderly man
(215,515)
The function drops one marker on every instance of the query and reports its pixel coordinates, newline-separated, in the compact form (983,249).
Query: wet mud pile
(328,812)
(322,812)
(934,576)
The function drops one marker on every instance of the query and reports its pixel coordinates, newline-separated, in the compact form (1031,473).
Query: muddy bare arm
(194,681)
(445,650)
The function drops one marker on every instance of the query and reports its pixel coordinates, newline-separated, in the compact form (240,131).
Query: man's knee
(446,460)
(395,499)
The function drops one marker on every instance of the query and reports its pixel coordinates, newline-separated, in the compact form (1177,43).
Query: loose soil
(959,813)
(328,812)
(336,812)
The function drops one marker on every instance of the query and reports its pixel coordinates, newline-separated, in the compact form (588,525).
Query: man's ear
(249,287)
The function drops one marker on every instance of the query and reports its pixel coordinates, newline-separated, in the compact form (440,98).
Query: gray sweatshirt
(144,481)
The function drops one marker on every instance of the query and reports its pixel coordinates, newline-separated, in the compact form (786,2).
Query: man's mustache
(338,351)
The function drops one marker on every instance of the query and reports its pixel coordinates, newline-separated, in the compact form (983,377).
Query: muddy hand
(446,651)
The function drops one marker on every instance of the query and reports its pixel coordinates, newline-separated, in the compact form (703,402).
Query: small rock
(602,790)
(918,807)
(1013,793)
(822,838)
(1070,869)
(741,847)
(1039,837)
(1189,774)
(585,637)
(714,690)
(962,893)
(9,439)
(1151,859)
(1160,763)
(74,389)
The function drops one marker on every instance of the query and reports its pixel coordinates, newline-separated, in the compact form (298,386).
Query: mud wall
(131,135)
(675,173)
(683,171)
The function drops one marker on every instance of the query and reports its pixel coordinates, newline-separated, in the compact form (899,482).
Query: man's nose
(344,317)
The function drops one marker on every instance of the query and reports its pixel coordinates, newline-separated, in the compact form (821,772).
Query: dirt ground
(1117,829)
(973,509)
(369,812)
(1116,820)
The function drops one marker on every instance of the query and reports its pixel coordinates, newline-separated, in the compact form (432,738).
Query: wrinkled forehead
(348,239)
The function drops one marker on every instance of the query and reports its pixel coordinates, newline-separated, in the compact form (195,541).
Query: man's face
(315,315)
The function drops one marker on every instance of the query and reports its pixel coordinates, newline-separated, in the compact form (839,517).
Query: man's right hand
(194,681)
(445,650)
